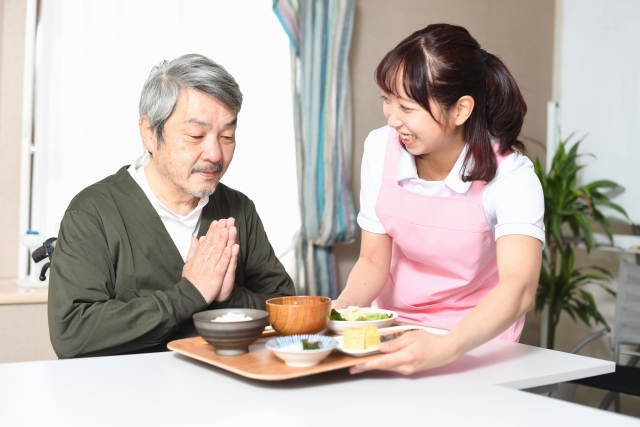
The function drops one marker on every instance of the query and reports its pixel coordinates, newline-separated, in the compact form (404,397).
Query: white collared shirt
(180,228)
(513,201)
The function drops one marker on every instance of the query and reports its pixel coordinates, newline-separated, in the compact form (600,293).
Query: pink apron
(443,261)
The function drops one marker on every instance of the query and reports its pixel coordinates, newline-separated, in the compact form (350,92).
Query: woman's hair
(443,63)
(162,89)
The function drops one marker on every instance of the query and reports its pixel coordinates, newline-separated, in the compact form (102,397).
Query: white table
(168,389)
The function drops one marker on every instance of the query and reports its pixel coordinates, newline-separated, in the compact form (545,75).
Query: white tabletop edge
(607,367)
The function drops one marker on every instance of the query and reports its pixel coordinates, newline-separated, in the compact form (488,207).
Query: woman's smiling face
(419,131)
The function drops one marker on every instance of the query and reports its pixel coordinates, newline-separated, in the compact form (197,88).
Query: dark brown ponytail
(444,63)
(505,106)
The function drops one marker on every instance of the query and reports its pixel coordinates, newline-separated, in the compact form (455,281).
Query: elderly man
(128,271)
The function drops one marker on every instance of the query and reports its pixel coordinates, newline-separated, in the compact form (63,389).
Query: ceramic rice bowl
(231,338)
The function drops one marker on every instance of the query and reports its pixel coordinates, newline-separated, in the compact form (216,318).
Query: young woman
(451,211)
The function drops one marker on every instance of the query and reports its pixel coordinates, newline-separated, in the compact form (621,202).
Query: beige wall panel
(24,334)
(2,2)
(12,27)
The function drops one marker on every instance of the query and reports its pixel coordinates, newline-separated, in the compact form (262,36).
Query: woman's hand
(412,352)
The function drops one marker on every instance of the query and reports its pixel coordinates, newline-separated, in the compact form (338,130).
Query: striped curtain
(320,34)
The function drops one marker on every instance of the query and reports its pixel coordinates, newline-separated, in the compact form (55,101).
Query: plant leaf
(572,209)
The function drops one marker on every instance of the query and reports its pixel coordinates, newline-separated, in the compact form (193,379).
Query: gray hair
(162,89)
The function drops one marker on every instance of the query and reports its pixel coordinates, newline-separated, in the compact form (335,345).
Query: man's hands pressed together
(212,260)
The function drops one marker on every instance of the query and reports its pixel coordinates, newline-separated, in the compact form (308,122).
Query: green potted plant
(569,214)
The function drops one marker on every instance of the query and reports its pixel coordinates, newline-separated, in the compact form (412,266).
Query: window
(92,59)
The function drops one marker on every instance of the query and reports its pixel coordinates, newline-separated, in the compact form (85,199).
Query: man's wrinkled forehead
(205,124)
(190,111)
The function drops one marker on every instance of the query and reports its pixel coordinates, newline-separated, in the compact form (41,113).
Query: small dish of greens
(354,317)
(302,350)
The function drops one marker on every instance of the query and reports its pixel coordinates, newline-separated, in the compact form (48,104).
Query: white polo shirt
(180,228)
(513,201)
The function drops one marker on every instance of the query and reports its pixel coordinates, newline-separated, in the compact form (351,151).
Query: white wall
(599,90)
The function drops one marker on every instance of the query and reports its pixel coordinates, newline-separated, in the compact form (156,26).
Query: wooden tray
(260,363)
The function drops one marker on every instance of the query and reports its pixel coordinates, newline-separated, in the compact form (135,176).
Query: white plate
(357,353)
(338,326)
(369,351)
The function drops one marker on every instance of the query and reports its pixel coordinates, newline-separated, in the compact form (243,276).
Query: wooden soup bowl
(298,314)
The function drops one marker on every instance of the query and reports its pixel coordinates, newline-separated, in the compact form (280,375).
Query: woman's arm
(370,273)
(519,260)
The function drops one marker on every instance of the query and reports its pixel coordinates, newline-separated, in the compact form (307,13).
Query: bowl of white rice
(231,330)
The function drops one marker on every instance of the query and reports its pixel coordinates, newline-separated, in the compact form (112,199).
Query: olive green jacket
(116,282)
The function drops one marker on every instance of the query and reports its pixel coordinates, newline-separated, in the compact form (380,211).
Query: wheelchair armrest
(606,332)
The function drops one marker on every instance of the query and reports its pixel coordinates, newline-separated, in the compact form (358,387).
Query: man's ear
(463,109)
(148,134)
